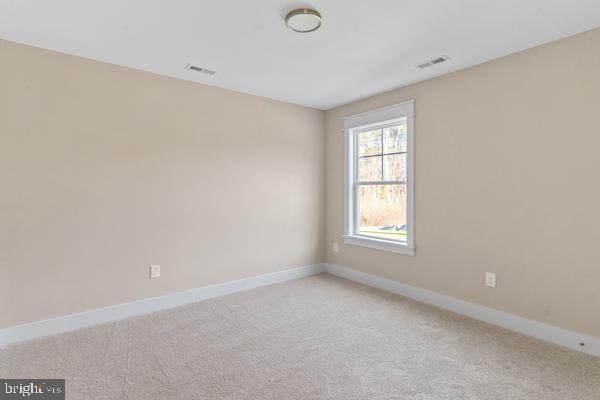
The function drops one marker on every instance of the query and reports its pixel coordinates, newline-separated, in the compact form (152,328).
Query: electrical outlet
(154,271)
(335,247)
(490,279)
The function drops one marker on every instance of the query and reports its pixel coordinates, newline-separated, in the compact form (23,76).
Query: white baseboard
(53,326)
(506,320)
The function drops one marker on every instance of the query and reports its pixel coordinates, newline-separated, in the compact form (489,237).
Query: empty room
(273,200)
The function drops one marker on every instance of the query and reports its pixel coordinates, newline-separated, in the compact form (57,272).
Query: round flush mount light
(303,20)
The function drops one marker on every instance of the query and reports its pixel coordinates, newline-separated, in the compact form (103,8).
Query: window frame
(370,120)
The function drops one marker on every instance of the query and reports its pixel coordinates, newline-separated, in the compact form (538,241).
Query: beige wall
(106,170)
(507,180)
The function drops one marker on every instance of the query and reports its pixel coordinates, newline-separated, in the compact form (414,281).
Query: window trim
(380,118)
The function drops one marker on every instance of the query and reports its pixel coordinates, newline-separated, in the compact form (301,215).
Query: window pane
(382,211)
(395,139)
(369,169)
(394,167)
(369,143)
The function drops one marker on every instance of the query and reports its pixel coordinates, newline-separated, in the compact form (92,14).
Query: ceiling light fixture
(303,20)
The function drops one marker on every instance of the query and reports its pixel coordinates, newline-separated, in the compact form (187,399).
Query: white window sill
(379,244)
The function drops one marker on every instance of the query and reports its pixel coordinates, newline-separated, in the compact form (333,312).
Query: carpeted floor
(315,338)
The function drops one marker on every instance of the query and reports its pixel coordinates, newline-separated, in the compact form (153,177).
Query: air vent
(435,61)
(200,69)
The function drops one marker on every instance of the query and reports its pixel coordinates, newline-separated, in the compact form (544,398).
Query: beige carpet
(315,338)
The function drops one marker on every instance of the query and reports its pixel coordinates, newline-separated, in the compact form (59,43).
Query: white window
(379,179)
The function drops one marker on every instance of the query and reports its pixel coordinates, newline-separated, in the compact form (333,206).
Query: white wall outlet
(335,247)
(490,279)
(154,271)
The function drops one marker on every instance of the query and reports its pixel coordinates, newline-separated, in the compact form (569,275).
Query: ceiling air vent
(435,61)
(200,69)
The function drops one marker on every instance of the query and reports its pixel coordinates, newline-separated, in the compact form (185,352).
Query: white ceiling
(363,47)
